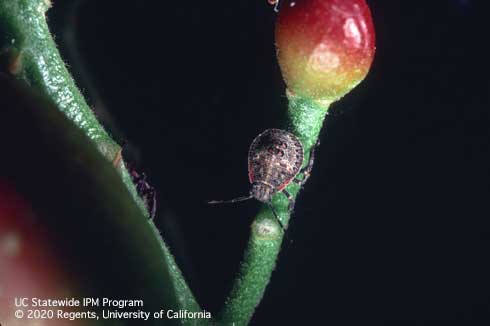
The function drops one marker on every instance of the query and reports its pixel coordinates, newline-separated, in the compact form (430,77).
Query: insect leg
(290,199)
(307,170)
(276,7)
(235,200)
(141,184)
(152,204)
(147,193)
(277,217)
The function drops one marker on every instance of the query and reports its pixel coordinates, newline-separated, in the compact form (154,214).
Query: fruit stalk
(324,49)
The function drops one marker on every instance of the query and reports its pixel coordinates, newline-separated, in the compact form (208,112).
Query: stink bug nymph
(275,158)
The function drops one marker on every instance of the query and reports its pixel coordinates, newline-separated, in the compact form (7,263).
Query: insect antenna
(235,200)
(277,217)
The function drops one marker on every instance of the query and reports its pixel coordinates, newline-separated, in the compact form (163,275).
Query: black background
(394,223)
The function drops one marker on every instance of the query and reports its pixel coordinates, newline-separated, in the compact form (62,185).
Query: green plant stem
(24,29)
(80,199)
(34,58)
(25,34)
(305,120)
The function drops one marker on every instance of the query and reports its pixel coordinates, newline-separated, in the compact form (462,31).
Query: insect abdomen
(275,158)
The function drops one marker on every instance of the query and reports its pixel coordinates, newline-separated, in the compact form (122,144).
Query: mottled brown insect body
(274,159)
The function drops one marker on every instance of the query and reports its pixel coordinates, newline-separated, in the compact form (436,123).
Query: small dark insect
(274,160)
(145,191)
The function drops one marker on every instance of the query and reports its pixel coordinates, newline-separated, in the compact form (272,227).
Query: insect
(145,191)
(274,160)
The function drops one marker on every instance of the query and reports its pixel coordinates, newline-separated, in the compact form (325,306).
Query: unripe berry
(324,47)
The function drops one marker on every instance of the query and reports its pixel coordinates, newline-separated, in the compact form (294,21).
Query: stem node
(266,229)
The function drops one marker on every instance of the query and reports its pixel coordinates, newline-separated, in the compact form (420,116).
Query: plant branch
(79,198)
(26,40)
(29,53)
(305,120)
